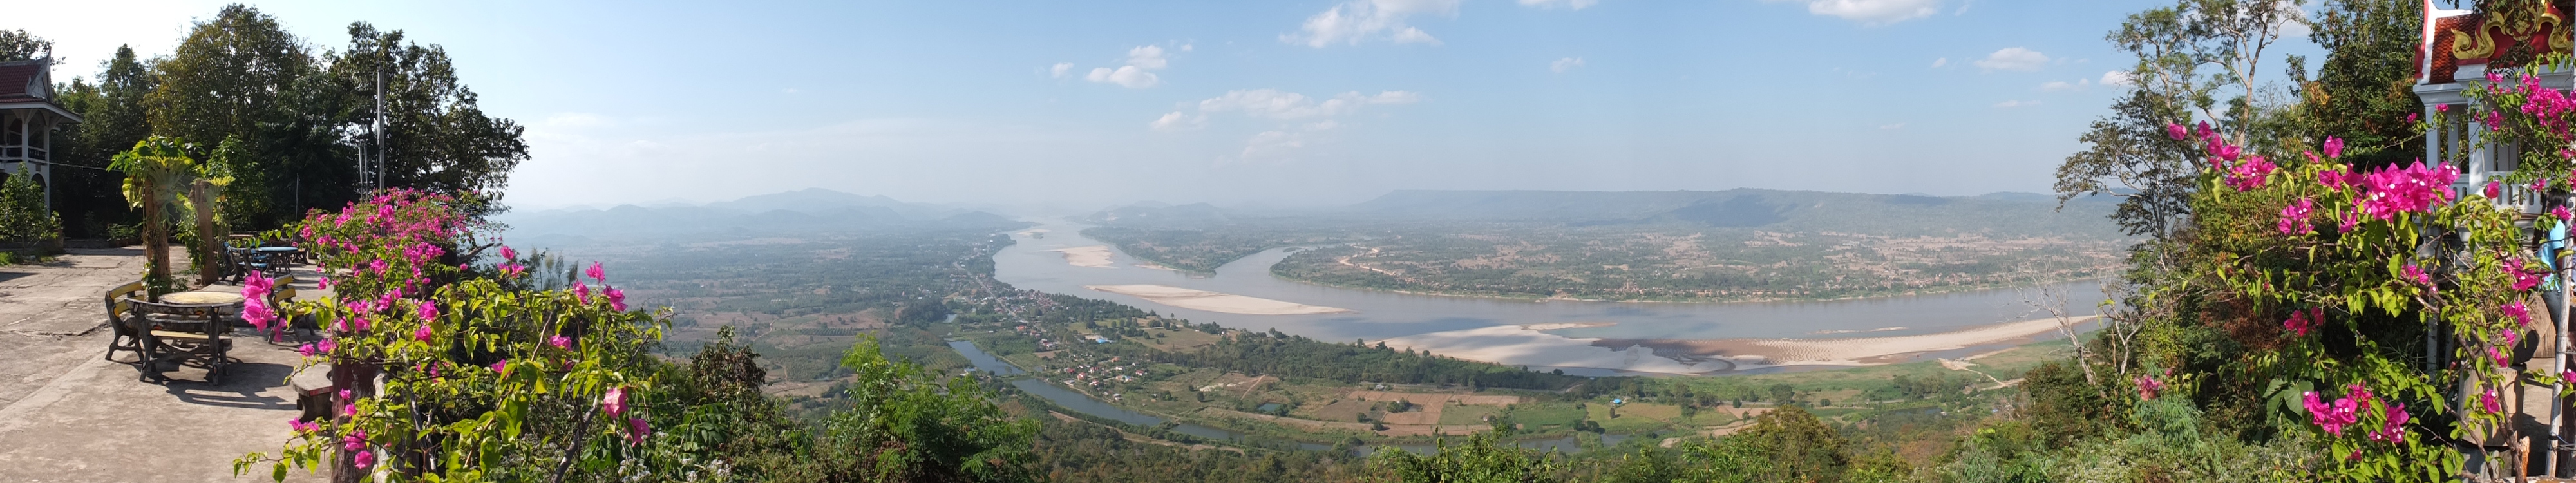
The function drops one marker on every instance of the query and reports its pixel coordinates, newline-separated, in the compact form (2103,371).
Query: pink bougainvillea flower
(2494,190)
(2523,278)
(2395,429)
(2301,322)
(616,298)
(2148,387)
(2250,174)
(503,366)
(302,427)
(509,254)
(596,272)
(322,283)
(614,403)
(2412,117)
(2294,218)
(428,311)
(2323,414)
(581,292)
(2561,214)
(363,460)
(2488,400)
(2442,108)
(305,350)
(2413,189)
(2417,275)
(560,342)
(2176,131)
(423,334)
(2334,147)
(636,430)
(354,441)
(2497,356)
(512,270)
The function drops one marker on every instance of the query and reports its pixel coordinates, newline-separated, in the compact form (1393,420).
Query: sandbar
(1095,256)
(1851,351)
(1531,345)
(1211,301)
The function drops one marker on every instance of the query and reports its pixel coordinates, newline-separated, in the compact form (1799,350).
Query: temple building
(2457,50)
(29,115)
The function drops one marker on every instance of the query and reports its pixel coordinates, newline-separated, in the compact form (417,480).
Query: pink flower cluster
(2223,157)
(256,289)
(2412,189)
(2294,218)
(2301,322)
(2148,387)
(2346,411)
(2524,279)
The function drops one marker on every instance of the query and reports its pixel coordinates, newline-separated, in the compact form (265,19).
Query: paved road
(66,414)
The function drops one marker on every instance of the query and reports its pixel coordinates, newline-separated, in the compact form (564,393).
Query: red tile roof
(16,77)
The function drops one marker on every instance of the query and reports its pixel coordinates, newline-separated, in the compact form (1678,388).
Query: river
(1453,321)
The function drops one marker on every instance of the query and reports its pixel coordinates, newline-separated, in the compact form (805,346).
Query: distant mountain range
(806,212)
(2030,213)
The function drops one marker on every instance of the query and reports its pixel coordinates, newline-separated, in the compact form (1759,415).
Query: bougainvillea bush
(461,377)
(2377,308)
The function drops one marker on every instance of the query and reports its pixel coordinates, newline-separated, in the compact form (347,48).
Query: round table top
(202,298)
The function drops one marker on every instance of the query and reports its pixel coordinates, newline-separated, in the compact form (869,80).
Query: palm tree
(155,171)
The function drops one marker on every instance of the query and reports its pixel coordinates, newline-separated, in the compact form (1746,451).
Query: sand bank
(1211,301)
(1095,256)
(1854,351)
(1530,345)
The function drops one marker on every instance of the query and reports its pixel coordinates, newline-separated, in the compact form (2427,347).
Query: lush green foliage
(22,211)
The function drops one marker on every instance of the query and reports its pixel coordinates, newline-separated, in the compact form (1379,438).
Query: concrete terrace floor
(67,414)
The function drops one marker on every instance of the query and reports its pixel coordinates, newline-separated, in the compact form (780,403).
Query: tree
(20,45)
(906,425)
(113,120)
(2364,90)
(233,77)
(1483,458)
(436,136)
(156,171)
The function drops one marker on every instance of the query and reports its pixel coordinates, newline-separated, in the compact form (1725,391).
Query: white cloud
(2013,104)
(2116,78)
(2064,86)
(1148,57)
(2013,58)
(1060,69)
(1277,104)
(1873,12)
(1937,63)
(1127,76)
(1134,75)
(1572,4)
(1564,64)
(1353,21)
(1177,121)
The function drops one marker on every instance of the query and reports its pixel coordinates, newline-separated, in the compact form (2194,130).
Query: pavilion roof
(29,84)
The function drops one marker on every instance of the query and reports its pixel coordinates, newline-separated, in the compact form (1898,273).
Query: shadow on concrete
(121,251)
(7,276)
(242,384)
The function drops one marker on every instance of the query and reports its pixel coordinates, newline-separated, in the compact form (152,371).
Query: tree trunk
(156,244)
(209,254)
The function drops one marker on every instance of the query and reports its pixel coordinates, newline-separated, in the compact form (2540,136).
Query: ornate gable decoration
(2506,36)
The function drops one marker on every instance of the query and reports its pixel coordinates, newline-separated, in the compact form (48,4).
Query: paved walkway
(66,414)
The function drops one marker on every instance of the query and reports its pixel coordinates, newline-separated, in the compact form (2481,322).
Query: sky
(1084,105)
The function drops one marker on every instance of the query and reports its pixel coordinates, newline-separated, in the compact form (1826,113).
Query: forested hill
(2002,214)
